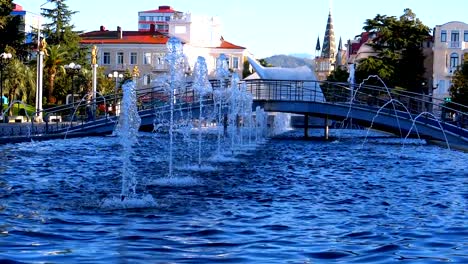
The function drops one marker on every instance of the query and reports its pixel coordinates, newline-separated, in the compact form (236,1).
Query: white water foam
(220,158)
(196,167)
(132,202)
(176,181)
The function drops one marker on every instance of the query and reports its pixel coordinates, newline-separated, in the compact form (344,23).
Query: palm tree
(15,80)
(53,60)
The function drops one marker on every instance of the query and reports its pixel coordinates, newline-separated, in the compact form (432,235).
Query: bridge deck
(399,112)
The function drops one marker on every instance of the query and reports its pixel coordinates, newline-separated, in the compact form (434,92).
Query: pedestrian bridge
(402,113)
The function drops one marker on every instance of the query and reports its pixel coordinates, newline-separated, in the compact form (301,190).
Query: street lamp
(72,69)
(117,76)
(4,59)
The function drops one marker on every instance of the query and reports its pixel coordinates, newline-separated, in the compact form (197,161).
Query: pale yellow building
(121,50)
(450,49)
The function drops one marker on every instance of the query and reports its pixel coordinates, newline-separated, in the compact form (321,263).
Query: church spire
(317,46)
(339,55)
(328,49)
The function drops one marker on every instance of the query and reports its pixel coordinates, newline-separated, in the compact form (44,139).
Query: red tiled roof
(228,45)
(128,37)
(161,9)
(18,7)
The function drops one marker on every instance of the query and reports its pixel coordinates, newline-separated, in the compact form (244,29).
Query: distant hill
(301,55)
(287,61)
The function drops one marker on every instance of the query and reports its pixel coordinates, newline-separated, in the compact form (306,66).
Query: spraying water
(176,60)
(202,86)
(127,132)
(222,72)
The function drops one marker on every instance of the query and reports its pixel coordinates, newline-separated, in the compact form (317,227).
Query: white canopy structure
(311,86)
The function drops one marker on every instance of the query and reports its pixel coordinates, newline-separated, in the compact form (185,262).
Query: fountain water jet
(127,133)
(222,73)
(202,86)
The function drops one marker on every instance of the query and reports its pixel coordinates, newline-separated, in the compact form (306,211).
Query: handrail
(368,96)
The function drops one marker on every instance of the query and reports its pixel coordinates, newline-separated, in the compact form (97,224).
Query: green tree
(64,41)
(459,87)
(6,6)
(60,22)
(264,63)
(10,34)
(54,61)
(246,71)
(105,84)
(400,59)
(338,75)
(19,81)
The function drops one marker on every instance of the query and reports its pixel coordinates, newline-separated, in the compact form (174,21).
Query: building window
(133,58)
(120,57)
(443,36)
(144,26)
(465,36)
(455,36)
(142,18)
(106,58)
(147,58)
(235,63)
(146,80)
(453,62)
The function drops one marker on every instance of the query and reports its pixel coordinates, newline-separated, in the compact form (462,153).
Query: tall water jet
(176,61)
(202,87)
(222,73)
(127,133)
(248,112)
(233,94)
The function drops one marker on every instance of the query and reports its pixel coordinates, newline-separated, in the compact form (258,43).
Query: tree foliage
(459,87)
(10,34)
(19,82)
(63,46)
(54,61)
(398,43)
(338,75)
(60,22)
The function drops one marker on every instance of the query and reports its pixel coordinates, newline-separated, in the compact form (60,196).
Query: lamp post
(117,76)
(72,69)
(4,59)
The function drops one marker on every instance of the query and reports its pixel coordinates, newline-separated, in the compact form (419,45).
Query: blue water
(287,201)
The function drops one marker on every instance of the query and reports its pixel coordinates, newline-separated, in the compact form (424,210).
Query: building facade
(123,50)
(450,50)
(158,17)
(30,22)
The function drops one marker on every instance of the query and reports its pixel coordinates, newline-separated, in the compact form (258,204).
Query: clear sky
(265,27)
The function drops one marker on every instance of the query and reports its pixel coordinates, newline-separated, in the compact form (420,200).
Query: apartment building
(120,50)
(450,50)
(157,17)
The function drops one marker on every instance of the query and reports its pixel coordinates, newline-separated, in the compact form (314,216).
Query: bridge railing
(369,96)
(106,108)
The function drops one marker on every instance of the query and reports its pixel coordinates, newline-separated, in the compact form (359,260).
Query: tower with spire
(329,50)
(340,55)
(325,63)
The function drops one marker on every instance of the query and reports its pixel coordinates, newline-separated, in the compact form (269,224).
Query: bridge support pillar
(306,126)
(326,130)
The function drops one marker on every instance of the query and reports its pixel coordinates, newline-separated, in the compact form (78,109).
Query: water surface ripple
(288,201)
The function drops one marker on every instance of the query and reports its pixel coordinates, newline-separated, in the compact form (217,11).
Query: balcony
(454,44)
(160,67)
